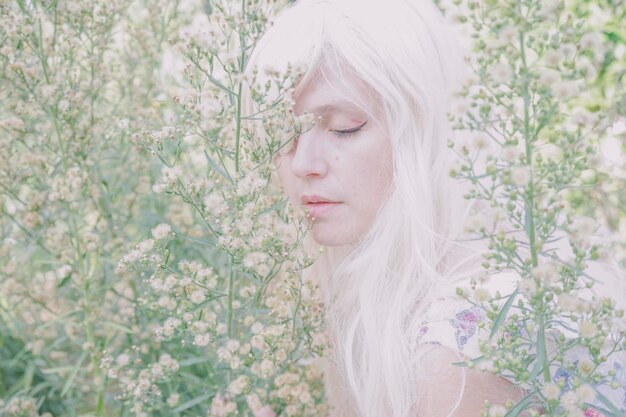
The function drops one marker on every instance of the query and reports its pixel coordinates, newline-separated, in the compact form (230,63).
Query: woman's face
(340,171)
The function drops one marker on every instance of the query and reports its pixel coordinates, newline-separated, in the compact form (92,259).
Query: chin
(330,237)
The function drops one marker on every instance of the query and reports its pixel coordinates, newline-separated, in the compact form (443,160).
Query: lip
(318,205)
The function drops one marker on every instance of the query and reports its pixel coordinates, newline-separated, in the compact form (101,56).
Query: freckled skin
(355,170)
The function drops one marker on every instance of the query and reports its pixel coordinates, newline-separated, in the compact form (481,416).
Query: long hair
(379,290)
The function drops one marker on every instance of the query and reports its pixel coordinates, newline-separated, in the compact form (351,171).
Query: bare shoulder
(448,390)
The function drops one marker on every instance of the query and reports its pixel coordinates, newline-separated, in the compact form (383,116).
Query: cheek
(285,178)
(377,173)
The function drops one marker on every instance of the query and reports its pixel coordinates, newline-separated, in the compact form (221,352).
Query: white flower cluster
(19,406)
(139,386)
(169,179)
(204,32)
(69,186)
(222,406)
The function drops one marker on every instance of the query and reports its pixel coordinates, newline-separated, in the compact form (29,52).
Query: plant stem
(231,291)
(242,66)
(529,196)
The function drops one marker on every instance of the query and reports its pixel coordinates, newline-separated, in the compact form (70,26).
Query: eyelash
(349,132)
(342,133)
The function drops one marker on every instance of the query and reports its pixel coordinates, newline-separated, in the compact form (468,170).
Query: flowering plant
(115,298)
(536,118)
(177,289)
(242,300)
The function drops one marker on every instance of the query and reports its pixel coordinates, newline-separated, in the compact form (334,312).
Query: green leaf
(29,375)
(64,281)
(57,369)
(502,314)
(473,361)
(194,361)
(61,317)
(52,5)
(527,218)
(117,326)
(217,168)
(187,405)
(207,301)
(165,162)
(22,6)
(611,410)
(208,8)
(540,360)
(72,377)
(519,407)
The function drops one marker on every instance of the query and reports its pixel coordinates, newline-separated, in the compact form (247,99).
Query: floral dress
(454,323)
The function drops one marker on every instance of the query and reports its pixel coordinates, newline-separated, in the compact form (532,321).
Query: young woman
(373,173)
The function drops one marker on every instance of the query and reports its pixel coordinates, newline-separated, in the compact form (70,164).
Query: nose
(309,160)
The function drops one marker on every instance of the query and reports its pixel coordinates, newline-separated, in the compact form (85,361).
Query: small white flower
(586,393)
(256,328)
(497,410)
(585,66)
(551,391)
(474,223)
(567,302)
(201,339)
(245,349)
(587,329)
(480,142)
(173,400)
(553,57)
(146,246)
(588,175)
(567,50)
(549,7)
(267,367)
(551,152)
(509,34)
(237,386)
(482,294)
(221,407)
(159,188)
(133,256)
(592,41)
(520,175)
(123,359)
(232,345)
(170,175)
(565,89)
(527,286)
(582,228)
(161,231)
(12,123)
(569,401)
(168,362)
(221,328)
(510,153)
(197,297)
(583,117)
(546,272)
(501,73)
(548,76)
(235,362)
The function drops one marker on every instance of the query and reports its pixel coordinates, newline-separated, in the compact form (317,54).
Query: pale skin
(347,158)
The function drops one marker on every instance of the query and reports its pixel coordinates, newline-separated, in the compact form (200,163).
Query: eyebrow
(336,107)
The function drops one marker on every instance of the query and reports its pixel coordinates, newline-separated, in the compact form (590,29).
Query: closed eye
(349,132)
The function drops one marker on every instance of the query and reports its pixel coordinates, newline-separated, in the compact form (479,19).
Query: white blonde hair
(378,292)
